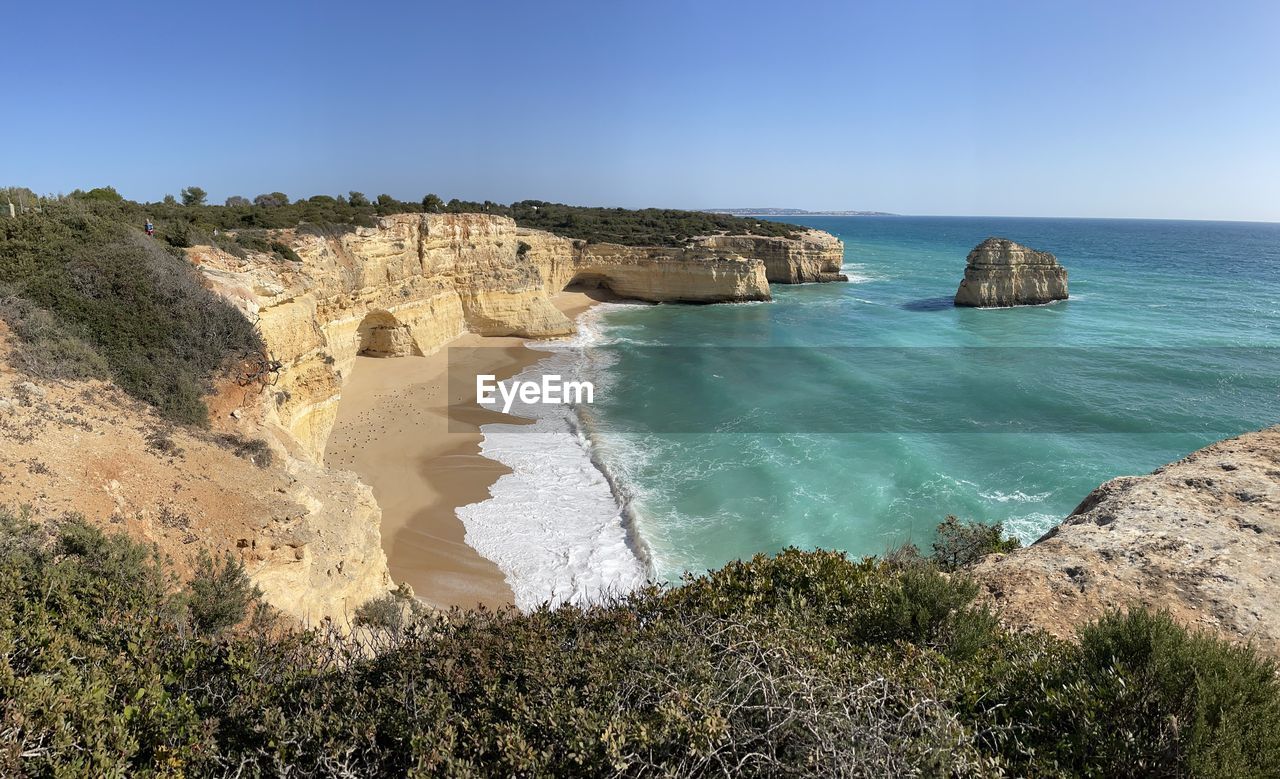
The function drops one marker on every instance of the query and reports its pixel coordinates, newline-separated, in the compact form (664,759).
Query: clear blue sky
(1144,109)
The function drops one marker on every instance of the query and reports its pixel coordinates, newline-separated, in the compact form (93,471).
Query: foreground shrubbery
(802,664)
(88,294)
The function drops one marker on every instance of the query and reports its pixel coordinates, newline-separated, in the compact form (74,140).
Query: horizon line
(889,214)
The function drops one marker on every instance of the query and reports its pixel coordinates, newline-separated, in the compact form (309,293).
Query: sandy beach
(393,429)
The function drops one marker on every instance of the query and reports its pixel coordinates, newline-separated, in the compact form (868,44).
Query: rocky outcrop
(1197,537)
(812,257)
(656,274)
(1001,273)
(713,268)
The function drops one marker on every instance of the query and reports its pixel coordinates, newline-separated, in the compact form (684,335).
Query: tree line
(191,212)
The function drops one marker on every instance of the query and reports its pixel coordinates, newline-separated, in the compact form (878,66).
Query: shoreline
(558,523)
(393,430)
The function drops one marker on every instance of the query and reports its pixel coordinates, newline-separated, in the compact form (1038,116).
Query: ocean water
(857,416)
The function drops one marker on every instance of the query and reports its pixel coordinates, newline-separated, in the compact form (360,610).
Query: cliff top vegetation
(191,218)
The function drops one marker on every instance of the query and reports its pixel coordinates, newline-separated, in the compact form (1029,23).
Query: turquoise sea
(721,452)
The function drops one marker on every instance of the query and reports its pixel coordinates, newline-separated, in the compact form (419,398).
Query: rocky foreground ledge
(1199,537)
(1001,273)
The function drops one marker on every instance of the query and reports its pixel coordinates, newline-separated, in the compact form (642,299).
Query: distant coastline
(790,212)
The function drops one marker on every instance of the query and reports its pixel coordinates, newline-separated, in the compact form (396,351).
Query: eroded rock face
(814,256)
(656,274)
(417,281)
(407,287)
(1002,273)
(1198,537)
(308,537)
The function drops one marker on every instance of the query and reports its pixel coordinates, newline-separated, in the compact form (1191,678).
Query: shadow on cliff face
(930,304)
(596,288)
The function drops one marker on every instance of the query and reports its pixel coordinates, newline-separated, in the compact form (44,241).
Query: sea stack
(1002,273)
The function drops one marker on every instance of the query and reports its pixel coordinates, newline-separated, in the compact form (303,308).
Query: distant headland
(790,212)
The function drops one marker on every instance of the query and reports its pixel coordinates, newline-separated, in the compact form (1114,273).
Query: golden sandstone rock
(407,287)
(1196,538)
(1001,273)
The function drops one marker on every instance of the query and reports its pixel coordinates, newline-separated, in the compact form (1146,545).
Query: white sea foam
(554,525)
(1017,496)
(1030,527)
(857,273)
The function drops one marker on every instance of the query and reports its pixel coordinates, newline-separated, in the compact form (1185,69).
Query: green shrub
(181,235)
(961,544)
(634,227)
(253,242)
(1173,702)
(649,226)
(46,347)
(139,306)
(230,245)
(390,612)
(220,594)
(1137,696)
(284,251)
(254,450)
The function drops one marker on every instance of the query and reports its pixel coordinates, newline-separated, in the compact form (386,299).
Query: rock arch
(589,280)
(380,334)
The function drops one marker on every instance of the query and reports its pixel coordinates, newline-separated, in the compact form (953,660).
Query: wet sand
(393,429)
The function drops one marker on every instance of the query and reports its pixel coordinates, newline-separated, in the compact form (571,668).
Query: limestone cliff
(814,256)
(416,281)
(656,274)
(1001,273)
(1197,537)
(408,286)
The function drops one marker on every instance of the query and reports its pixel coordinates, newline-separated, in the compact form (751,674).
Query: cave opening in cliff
(589,282)
(380,334)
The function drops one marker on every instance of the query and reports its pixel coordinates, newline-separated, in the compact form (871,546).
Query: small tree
(271,200)
(237,201)
(432,203)
(170,200)
(193,196)
(357,199)
(960,544)
(393,611)
(219,595)
(108,194)
(182,234)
